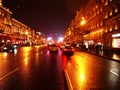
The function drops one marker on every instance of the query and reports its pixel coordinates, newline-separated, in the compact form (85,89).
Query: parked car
(7,48)
(68,50)
(53,48)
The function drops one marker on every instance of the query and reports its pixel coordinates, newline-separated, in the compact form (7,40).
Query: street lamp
(83,22)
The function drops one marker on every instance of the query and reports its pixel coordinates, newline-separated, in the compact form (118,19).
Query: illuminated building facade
(102,24)
(5,24)
(14,32)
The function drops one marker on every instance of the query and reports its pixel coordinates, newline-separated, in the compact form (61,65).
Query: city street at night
(34,68)
(59,44)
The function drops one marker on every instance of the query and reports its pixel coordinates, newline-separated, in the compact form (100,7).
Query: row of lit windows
(97,11)
(112,26)
(93,36)
(106,2)
(111,12)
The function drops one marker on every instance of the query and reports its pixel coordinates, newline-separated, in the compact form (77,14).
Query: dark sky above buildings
(47,16)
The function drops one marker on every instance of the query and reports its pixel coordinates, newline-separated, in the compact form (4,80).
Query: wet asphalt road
(90,72)
(31,68)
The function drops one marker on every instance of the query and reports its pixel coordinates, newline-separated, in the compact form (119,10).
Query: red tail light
(73,49)
(65,49)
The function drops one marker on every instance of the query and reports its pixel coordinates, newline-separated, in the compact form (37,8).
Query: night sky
(51,17)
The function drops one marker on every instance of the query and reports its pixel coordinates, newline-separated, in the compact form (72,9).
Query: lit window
(110,12)
(111,28)
(96,6)
(110,0)
(106,3)
(106,16)
(97,24)
(116,9)
(106,30)
(98,11)
(101,23)
(116,26)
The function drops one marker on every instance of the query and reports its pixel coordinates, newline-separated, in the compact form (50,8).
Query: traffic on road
(35,67)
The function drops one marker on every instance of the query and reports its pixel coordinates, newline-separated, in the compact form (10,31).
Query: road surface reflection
(89,72)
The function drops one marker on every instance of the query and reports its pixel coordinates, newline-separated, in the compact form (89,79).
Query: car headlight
(5,48)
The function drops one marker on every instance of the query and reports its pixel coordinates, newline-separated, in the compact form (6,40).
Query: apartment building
(102,24)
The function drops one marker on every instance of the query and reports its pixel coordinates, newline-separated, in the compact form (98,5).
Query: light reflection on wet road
(34,69)
(31,68)
(87,71)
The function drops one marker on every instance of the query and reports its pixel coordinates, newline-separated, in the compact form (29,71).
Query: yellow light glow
(81,71)
(83,22)
(26,61)
(116,9)
(26,32)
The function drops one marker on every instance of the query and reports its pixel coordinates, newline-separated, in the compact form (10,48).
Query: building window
(98,11)
(116,26)
(110,12)
(110,28)
(116,9)
(3,14)
(106,15)
(101,23)
(106,2)
(105,30)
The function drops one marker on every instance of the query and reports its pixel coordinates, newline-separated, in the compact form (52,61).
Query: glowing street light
(60,39)
(83,22)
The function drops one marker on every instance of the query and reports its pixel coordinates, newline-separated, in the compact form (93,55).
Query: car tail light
(65,49)
(73,49)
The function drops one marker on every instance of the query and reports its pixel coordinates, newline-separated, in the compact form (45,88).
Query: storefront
(5,39)
(116,40)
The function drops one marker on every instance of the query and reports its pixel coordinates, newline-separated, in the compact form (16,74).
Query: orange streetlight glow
(83,22)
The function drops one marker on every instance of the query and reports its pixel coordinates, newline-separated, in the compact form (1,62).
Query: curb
(117,60)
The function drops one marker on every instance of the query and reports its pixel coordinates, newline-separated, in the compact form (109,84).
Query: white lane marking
(70,87)
(1,78)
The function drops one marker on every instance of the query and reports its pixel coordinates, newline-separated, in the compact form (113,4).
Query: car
(53,48)
(68,50)
(7,48)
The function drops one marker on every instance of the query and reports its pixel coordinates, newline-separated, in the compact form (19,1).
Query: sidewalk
(74,85)
(108,54)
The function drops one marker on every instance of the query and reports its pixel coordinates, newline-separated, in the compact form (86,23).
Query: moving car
(68,50)
(53,48)
(8,48)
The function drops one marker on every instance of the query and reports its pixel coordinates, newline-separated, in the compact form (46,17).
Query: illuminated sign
(116,35)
